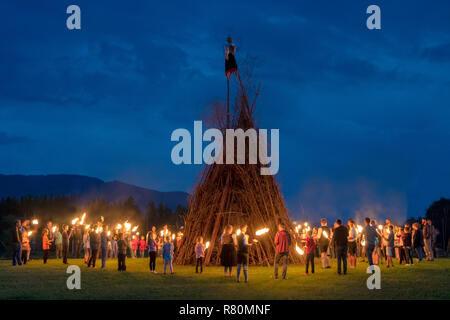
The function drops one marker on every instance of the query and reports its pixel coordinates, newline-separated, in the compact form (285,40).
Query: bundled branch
(235,194)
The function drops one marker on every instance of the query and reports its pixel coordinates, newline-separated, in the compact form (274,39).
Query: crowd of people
(377,243)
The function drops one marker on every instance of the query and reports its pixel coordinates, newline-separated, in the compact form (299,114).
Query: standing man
(94,243)
(65,242)
(77,239)
(282,243)
(242,253)
(370,235)
(428,239)
(17,244)
(323,236)
(104,245)
(58,243)
(340,241)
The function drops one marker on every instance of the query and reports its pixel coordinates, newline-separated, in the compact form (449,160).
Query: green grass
(428,280)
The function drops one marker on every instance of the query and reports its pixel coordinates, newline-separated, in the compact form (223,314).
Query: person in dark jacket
(340,242)
(94,242)
(17,243)
(282,243)
(242,253)
(417,241)
(65,242)
(407,243)
(121,253)
(77,240)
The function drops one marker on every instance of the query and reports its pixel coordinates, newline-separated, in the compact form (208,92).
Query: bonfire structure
(235,194)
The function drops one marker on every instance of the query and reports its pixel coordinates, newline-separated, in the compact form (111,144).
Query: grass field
(427,280)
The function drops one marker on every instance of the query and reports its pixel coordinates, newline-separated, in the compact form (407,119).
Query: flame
(380,227)
(299,251)
(127,226)
(307,229)
(83,217)
(306,224)
(87,227)
(359,228)
(99,229)
(166,232)
(298,227)
(54,229)
(119,226)
(109,233)
(135,228)
(325,234)
(35,221)
(173,236)
(388,231)
(363,243)
(137,233)
(238,232)
(75,220)
(207,244)
(162,233)
(29,233)
(262,231)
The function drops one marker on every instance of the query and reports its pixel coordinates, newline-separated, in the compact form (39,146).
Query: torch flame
(262,231)
(306,224)
(299,251)
(35,221)
(363,243)
(162,233)
(173,236)
(30,233)
(380,227)
(75,220)
(83,217)
(127,226)
(119,226)
(87,227)
(109,233)
(360,228)
(307,229)
(135,228)
(325,234)
(207,244)
(54,229)
(238,232)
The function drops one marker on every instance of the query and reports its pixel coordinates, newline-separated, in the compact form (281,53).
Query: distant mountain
(86,188)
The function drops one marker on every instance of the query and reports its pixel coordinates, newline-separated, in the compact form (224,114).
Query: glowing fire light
(173,236)
(54,229)
(109,233)
(30,233)
(135,228)
(359,228)
(363,243)
(325,234)
(35,221)
(307,229)
(380,227)
(119,226)
(137,233)
(299,251)
(88,226)
(83,217)
(238,232)
(207,244)
(162,233)
(262,231)
(127,226)
(306,224)
(75,220)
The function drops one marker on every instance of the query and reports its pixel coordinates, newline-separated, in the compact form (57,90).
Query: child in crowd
(168,254)
(142,246)
(45,245)
(122,253)
(134,246)
(152,251)
(25,247)
(389,238)
(310,246)
(199,254)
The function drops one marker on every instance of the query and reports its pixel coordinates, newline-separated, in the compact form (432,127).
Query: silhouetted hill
(86,188)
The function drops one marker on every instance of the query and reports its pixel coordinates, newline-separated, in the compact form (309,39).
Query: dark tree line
(62,209)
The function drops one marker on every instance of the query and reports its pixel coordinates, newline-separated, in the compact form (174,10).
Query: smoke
(322,198)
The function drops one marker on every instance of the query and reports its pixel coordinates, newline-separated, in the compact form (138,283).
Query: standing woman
(25,246)
(407,243)
(152,250)
(230,60)
(228,253)
(86,245)
(352,235)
